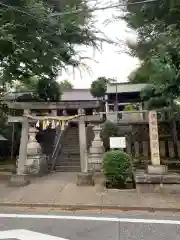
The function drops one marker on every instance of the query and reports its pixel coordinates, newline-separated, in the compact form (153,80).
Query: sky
(111,61)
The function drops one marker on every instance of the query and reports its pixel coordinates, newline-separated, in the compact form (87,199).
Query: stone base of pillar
(157,169)
(19,180)
(157,183)
(95,167)
(85,179)
(95,156)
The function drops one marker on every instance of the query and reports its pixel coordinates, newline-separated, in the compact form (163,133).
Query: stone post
(84,177)
(23,147)
(107,107)
(20,178)
(54,112)
(82,144)
(156,167)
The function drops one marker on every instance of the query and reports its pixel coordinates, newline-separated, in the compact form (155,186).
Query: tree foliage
(35,44)
(65,85)
(99,86)
(158,45)
(158,48)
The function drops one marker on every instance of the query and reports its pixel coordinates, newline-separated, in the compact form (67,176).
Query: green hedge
(117,167)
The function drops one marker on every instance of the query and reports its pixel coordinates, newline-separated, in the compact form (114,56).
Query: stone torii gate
(30,147)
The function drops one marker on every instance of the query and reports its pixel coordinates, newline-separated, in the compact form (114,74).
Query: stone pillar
(154,145)
(54,112)
(107,107)
(23,147)
(83,144)
(84,177)
(20,178)
(36,162)
(96,151)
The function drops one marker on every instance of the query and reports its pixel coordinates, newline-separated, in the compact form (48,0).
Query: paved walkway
(60,190)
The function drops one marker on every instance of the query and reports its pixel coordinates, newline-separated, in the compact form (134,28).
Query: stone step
(73,131)
(71,148)
(67,168)
(72,158)
(69,164)
(69,156)
(71,144)
(76,140)
(60,163)
(69,152)
(73,161)
(71,140)
(72,135)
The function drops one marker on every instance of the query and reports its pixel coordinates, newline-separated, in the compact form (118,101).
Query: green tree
(65,85)
(158,48)
(33,43)
(99,86)
(157,26)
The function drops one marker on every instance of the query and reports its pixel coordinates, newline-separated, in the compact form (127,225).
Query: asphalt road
(90,226)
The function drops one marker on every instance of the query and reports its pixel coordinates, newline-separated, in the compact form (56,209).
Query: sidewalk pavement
(59,190)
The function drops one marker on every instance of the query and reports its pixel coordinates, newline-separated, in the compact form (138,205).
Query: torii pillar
(21,178)
(84,177)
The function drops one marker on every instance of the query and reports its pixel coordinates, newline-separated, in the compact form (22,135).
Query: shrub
(117,167)
(109,129)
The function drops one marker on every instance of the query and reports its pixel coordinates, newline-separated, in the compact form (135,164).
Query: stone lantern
(36,162)
(96,151)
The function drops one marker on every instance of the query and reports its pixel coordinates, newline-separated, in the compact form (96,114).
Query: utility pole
(116,100)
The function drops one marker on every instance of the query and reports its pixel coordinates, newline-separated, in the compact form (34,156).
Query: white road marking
(22,234)
(86,218)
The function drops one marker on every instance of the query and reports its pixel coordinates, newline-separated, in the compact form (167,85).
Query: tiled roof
(77,95)
(84,94)
(68,95)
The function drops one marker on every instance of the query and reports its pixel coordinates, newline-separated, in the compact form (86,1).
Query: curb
(88,207)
